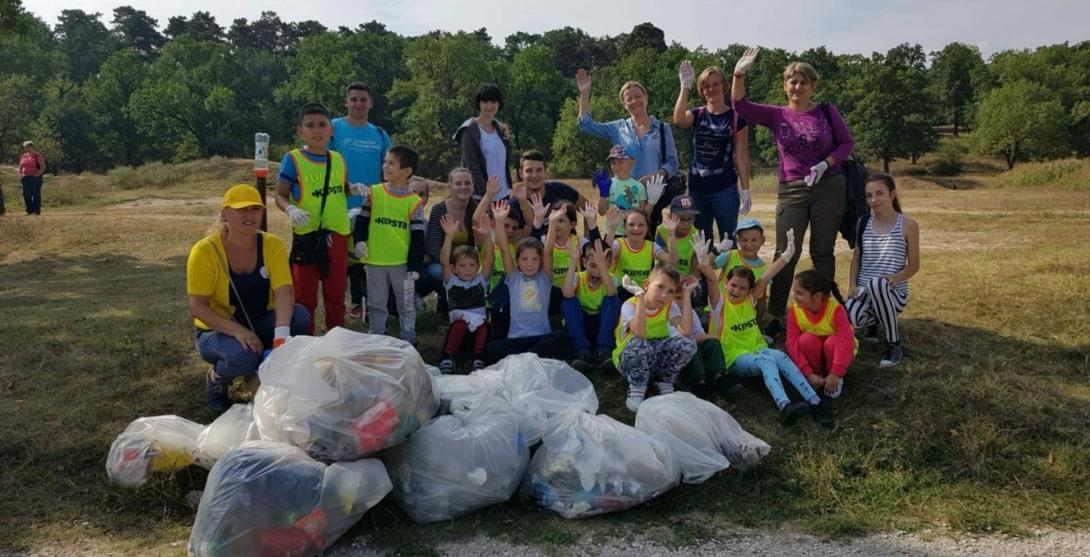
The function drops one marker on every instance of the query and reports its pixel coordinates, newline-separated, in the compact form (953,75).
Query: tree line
(96,93)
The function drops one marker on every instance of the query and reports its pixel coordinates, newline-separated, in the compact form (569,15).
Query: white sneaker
(633,402)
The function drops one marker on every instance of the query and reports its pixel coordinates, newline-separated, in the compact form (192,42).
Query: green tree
(534,94)
(66,126)
(954,70)
(20,101)
(201,26)
(137,30)
(576,154)
(574,48)
(108,94)
(1021,121)
(85,41)
(644,35)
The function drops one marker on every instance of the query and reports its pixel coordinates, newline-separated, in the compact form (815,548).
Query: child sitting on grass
(749,237)
(591,305)
(820,337)
(465,279)
(634,256)
(653,343)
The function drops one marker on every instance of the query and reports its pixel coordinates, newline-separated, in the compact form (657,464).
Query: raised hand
(701,248)
(590,215)
(518,191)
(725,244)
(689,284)
(492,187)
(816,172)
(450,225)
(671,221)
(789,251)
(686,75)
(655,186)
(613,218)
(602,181)
(555,215)
(746,61)
(481,226)
(582,80)
(630,285)
(537,204)
(500,210)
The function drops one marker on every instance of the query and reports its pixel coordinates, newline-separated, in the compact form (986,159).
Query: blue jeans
(32,194)
(231,359)
(579,323)
(722,206)
(771,364)
(431,280)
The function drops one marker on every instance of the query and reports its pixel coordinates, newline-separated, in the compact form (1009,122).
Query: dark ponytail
(886,180)
(814,280)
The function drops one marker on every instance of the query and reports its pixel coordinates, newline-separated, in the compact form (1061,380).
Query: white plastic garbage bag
(589,465)
(460,463)
(153,444)
(267,498)
(231,429)
(704,438)
(344,395)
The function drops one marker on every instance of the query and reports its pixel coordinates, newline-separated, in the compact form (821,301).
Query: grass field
(983,429)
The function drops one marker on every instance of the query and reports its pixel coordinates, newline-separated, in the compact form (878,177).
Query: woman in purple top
(811,141)
(720,151)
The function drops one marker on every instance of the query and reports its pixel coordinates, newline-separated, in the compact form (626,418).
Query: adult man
(363,146)
(533,173)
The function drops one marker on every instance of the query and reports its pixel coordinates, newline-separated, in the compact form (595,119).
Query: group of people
(640,283)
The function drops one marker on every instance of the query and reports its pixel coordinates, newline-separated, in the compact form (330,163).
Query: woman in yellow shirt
(240,294)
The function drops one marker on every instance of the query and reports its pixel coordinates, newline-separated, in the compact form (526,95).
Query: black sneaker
(478,364)
(217,392)
(728,383)
(871,336)
(821,414)
(582,361)
(605,359)
(446,367)
(774,327)
(792,412)
(892,357)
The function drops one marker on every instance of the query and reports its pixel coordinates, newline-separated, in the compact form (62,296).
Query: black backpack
(855,177)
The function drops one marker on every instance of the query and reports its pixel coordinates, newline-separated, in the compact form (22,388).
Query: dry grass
(982,429)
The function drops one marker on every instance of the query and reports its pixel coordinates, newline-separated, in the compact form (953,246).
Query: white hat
(28,142)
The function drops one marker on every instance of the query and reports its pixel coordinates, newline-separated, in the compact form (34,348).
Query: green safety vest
(737,330)
(736,260)
(635,264)
(391,217)
(658,324)
(590,298)
(561,262)
(684,248)
(311,176)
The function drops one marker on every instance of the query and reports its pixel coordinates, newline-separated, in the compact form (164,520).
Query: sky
(842,26)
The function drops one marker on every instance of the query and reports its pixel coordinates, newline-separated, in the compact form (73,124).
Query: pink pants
(818,352)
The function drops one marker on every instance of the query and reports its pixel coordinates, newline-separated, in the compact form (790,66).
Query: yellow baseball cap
(242,196)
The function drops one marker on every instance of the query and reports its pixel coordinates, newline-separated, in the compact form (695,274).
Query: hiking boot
(792,412)
(821,414)
(582,361)
(446,367)
(871,335)
(217,392)
(892,357)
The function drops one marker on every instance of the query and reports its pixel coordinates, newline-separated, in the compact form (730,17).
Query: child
(529,284)
(704,372)
(685,210)
(634,256)
(311,189)
(393,226)
(734,321)
(749,237)
(652,337)
(591,305)
(887,254)
(465,281)
(566,243)
(420,186)
(820,337)
(622,192)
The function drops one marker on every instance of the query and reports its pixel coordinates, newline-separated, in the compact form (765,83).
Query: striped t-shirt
(883,254)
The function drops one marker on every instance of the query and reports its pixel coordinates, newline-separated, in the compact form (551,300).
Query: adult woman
(812,139)
(460,206)
(31,169)
(720,146)
(644,137)
(485,143)
(887,254)
(240,294)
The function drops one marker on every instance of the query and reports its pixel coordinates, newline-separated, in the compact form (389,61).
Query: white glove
(686,75)
(412,275)
(630,285)
(746,61)
(816,172)
(359,189)
(354,212)
(655,186)
(725,244)
(789,251)
(747,202)
(299,217)
(280,336)
(701,247)
(361,251)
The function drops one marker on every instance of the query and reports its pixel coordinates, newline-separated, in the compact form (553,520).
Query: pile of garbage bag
(156,444)
(459,463)
(268,498)
(703,437)
(589,465)
(343,396)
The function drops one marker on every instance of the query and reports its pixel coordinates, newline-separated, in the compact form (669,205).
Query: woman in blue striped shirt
(885,257)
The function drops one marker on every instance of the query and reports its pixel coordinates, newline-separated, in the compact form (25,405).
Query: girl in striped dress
(887,254)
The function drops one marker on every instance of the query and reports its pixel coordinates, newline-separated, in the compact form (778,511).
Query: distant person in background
(720,151)
(485,143)
(363,146)
(812,140)
(240,294)
(31,170)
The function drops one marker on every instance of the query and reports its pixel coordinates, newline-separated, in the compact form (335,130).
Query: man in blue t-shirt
(363,146)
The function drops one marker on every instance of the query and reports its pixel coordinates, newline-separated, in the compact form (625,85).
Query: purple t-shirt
(712,168)
(802,138)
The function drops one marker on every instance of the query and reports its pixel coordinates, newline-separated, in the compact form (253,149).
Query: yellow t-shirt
(205,274)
